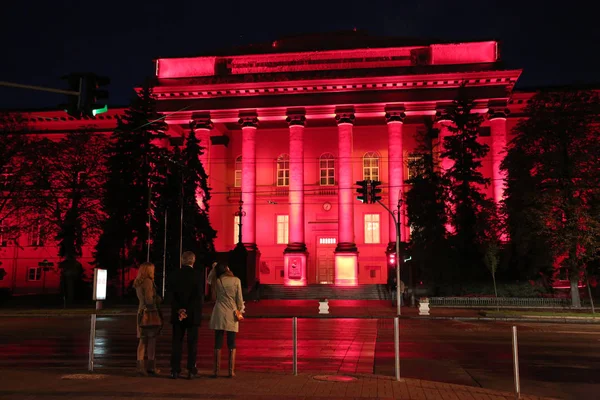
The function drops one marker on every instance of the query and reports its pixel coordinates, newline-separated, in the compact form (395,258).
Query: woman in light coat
(227,292)
(146,293)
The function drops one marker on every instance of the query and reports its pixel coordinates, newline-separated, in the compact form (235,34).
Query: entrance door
(325,260)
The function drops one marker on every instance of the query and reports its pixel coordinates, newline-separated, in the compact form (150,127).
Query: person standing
(148,300)
(227,292)
(187,294)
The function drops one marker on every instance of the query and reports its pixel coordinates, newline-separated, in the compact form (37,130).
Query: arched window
(238,172)
(327,169)
(283,170)
(371,166)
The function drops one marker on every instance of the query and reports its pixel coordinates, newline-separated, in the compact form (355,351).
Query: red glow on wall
(464,53)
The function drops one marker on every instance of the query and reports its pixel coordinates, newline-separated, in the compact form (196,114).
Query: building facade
(288,133)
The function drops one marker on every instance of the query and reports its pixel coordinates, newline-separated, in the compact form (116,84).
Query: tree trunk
(575,300)
(496,292)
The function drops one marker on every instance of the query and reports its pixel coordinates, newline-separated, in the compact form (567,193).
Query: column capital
(296,119)
(394,116)
(344,117)
(201,123)
(442,114)
(497,113)
(248,121)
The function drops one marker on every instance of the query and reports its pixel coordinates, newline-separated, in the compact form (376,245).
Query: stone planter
(323,307)
(424,307)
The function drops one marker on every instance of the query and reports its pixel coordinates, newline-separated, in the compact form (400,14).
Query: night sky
(554,42)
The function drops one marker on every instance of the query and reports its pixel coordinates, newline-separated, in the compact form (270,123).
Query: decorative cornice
(344,117)
(248,121)
(395,116)
(296,119)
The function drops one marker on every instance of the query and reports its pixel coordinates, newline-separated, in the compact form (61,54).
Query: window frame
(282,164)
(37,274)
(372,236)
(236,229)
(282,225)
(372,169)
(237,174)
(329,169)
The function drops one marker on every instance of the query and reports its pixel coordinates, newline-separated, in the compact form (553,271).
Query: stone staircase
(361,292)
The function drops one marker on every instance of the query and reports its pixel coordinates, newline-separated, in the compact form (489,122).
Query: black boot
(216,363)
(231,363)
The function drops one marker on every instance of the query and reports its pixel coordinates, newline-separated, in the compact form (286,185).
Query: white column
(396,165)
(249,126)
(498,134)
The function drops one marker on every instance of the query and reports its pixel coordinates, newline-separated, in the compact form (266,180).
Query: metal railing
(492,302)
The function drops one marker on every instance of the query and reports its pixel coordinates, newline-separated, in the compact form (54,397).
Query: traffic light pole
(397,223)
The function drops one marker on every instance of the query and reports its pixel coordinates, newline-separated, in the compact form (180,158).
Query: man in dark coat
(187,298)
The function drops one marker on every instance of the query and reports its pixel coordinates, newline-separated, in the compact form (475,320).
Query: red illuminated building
(288,131)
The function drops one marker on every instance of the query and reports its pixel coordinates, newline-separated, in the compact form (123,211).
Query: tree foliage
(132,184)
(553,161)
(425,204)
(471,212)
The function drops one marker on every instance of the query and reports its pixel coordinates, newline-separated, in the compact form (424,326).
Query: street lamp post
(240,214)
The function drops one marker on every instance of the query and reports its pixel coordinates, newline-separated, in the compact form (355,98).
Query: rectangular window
(327,171)
(3,234)
(283,229)
(372,228)
(414,166)
(238,178)
(35,236)
(34,274)
(236,229)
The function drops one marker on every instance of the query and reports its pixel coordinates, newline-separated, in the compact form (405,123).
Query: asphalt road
(558,360)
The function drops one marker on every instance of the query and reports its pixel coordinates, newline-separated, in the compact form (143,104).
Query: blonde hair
(146,270)
(188,258)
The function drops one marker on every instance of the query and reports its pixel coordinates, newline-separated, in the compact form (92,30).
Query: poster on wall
(295,268)
(100,278)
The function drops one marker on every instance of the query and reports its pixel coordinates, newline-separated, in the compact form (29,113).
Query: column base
(295,247)
(346,268)
(294,267)
(346,247)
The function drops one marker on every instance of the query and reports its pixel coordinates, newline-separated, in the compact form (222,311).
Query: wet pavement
(557,360)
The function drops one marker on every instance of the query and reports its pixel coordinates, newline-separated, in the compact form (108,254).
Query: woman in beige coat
(146,294)
(227,292)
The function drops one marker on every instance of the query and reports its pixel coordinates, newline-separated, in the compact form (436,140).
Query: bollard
(397,346)
(92,343)
(295,345)
(516,363)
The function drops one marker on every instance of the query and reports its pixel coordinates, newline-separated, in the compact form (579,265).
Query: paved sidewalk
(21,385)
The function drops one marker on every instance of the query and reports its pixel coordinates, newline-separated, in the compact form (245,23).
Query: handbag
(150,316)
(237,314)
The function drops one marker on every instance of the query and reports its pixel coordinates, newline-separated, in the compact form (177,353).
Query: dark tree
(198,234)
(555,153)
(13,146)
(66,179)
(470,209)
(425,203)
(132,185)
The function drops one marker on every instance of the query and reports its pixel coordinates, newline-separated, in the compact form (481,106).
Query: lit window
(414,165)
(327,241)
(372,228)
(236,229)
(371,166)
(3,234)
(327,169)
(283,229)
(238,172)
(81,177)
(283,170)
(34,274)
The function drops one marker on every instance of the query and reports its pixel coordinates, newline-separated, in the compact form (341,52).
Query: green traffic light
(100,110)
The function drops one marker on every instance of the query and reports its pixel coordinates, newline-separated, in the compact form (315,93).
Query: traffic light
(391,257)
(72,105)
(362,191)
(375,191)
(91,92)
(90,89)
